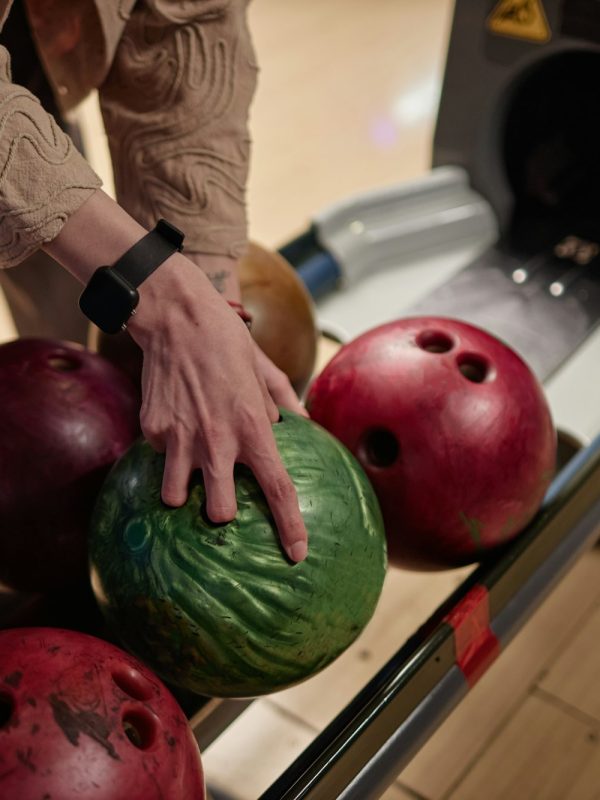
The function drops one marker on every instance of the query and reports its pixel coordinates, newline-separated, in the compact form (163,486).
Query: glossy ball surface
(66,415)
(451,427)
(283,321)
(219,609)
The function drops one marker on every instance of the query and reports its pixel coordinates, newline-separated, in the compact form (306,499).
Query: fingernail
(298,551)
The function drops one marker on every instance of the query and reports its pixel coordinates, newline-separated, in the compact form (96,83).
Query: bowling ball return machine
(504,232)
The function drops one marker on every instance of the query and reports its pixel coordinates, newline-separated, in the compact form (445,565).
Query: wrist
(112,295)
(174,290)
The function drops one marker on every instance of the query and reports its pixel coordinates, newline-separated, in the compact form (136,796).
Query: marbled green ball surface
(221,610)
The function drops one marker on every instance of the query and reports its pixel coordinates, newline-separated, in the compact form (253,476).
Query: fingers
(240,430)
(221,504)
(217,471)
(176,476)
(283,501)
(261,377)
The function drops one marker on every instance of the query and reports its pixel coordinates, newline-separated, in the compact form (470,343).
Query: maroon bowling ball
(453,430)
(82,720)
(65,416)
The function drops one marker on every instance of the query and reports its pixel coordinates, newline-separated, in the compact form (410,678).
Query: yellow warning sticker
(520,19)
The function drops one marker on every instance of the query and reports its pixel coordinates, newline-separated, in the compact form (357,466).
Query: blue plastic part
(320,273)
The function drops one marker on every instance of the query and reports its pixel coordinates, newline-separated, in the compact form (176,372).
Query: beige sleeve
(43,178)
(175,105)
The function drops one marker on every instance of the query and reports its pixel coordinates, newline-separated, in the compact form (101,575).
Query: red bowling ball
(453,430)
(66,415)
(82,720)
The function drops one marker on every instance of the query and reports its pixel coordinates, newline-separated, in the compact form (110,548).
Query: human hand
(223,274)
(209,398)
(205,402)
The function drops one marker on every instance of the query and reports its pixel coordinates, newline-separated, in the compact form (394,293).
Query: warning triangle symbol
(520,19)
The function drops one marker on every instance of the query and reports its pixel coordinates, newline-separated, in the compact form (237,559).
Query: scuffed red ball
(82,720)
(453,430)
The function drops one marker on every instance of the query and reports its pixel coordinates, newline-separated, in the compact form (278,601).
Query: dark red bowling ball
(453,430)
(122,351)
(65,416)
(82,720)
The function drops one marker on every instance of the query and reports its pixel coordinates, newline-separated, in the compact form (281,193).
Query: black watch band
(140,261)
(111,296)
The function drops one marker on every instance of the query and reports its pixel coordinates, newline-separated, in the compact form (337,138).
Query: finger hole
(433,341)
(140,728)
(132,683)
(379,447)
(7,709)
(475,368)
(64,362)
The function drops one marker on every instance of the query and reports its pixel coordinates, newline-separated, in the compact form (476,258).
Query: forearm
(100,231)
(97,234)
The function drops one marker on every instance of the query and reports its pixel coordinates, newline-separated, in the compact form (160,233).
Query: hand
(222,272)
(207,401)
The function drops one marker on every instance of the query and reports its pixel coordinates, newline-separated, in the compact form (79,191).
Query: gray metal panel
(482,72)
(384,228)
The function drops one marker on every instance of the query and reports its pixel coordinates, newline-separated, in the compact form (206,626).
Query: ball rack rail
(365,747)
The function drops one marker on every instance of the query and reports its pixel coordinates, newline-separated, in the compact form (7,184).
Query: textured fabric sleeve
(175,106)
(43,177)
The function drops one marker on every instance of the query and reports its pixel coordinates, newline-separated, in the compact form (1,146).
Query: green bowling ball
(219,609)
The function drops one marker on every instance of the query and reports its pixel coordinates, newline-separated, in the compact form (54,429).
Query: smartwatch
(111,296)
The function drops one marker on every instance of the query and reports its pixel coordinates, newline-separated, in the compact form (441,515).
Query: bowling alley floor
(346,103)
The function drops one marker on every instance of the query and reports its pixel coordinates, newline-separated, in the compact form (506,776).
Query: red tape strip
(475,643)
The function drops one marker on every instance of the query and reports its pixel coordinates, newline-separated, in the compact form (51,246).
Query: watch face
(108,300)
